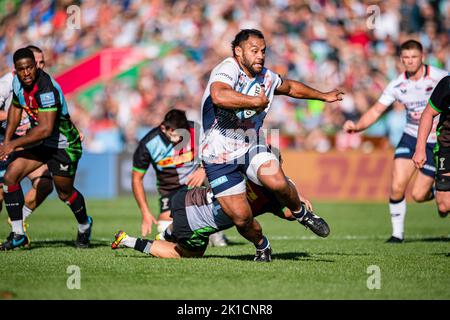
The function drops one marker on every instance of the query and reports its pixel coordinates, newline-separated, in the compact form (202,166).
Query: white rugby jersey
(414,95)
(224,137)
(6,95)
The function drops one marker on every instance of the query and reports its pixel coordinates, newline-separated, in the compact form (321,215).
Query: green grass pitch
(303,267)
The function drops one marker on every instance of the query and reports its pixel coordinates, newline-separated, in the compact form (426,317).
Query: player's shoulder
(152,134)
(44,81)
(398,81)
(7,78)
(192,124)
(229,63)
(437,73)
(444,83)
(6,83)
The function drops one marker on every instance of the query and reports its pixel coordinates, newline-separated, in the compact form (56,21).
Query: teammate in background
(41,180)
(197,215)
(439,104)
(230,144)
(411,88)
(52,139)
(175,164)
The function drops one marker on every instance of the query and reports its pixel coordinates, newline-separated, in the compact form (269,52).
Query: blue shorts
(229,178)
(406,148)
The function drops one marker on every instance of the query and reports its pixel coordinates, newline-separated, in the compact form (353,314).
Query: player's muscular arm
(224,96)
(14,116)
(366,120)
(139,194)
(46,122)
(299,90)
(426,123)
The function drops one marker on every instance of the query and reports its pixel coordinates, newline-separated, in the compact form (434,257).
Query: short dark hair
(23,53)
(34,48)
(243,35)
(175,119)
(411,44)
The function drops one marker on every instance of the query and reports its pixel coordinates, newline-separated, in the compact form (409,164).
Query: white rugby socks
(398,213)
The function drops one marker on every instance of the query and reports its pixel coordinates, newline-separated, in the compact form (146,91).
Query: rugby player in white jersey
(412,88)
(229,144)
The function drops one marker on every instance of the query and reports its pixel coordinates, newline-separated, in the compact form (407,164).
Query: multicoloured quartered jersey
(173,163)
(46,96)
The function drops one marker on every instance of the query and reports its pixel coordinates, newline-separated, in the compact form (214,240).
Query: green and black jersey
(440,101)
(46,96)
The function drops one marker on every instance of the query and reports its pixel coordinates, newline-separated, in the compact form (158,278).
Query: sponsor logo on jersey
(47,99)
(176,160)
(224,75)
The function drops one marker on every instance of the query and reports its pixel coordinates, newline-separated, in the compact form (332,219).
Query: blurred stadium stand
(131,61)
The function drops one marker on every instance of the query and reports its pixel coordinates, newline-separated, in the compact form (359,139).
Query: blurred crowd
(353,45)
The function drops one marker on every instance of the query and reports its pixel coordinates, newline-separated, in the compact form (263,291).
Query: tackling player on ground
(171,149)
(197,214)
(439,104)
(411,88)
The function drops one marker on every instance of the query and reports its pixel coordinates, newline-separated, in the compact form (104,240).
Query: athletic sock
(264,245)
(143,245)
(167,235)
(129,242)
(83,227)
(26,212)
(14,202)
(78,207)
(17,227)
(300,213)
(398,212)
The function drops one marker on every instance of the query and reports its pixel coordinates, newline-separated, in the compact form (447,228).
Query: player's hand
(197,178)
(350,127)
(333,96)
(419,158)
(147,220)
(261,100)
(5,151)
(307,203)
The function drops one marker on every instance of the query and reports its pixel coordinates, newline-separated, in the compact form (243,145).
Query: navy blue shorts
(230,177)
(406,148)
